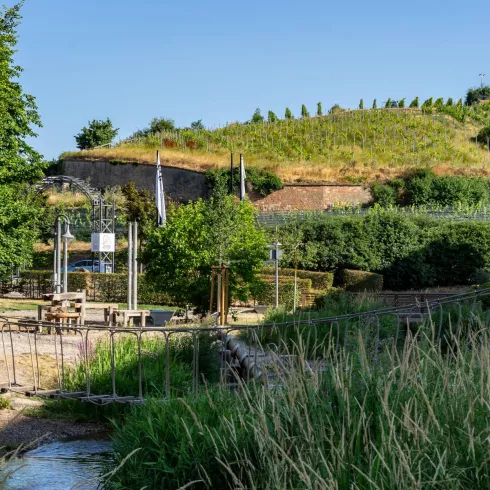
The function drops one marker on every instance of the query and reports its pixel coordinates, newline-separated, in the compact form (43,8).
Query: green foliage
(264,292)
(271,117)
(335,109)
(388,103)
(320,281)
(361,104)
(375,104)
(360,281)
(257,117)
(200,235)
(319,109)
(19,162)
(261,181)
(439,103)
(161,124)
(449,102)
(304,111)
(424,188)
(415,103)
(474,95)
(197,125)
(484,136)
(288,114)
(401,103)
(20,214)
(97,133)
(410,252)
(139,206)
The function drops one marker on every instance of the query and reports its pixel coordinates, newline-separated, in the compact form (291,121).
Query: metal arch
(103,212)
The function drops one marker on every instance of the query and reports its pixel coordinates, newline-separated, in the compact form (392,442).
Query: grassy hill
(348,146)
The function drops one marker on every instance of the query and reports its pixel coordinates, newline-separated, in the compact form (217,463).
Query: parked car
(82,265)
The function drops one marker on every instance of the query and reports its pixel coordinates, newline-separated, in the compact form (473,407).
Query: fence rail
(242,352)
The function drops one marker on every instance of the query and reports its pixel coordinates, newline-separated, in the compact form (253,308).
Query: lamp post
(481,75)
(67,237)
(58,237)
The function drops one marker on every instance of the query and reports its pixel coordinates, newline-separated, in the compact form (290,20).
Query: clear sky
(218,60)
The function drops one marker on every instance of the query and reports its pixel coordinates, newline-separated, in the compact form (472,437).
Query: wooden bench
(109,309)
(123,317)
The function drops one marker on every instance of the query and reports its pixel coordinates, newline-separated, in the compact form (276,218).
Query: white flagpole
(242,178)
(160,195)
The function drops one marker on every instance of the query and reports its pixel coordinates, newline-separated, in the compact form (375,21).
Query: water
(58,466)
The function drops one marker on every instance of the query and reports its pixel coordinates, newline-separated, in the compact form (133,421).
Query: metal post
(231,174)
(58,255)
(65,265)
(135,265)
(130,265)
(277,273)
(218,298)
(295,288)
(55,257)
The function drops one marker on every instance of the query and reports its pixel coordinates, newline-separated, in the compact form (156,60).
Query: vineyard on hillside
(345,146)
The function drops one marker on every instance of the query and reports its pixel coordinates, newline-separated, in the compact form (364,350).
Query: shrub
(360,281)
(414,103)
(484,136)
(257,116)
(265,293)
(304,111)
(319,280)
(288,114)
(97,133)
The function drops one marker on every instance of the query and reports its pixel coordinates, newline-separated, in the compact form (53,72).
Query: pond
(58,466)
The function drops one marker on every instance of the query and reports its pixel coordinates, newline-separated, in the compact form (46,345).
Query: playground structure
(241,352)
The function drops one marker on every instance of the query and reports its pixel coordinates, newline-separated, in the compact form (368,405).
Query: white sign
(275,254)
(103,242)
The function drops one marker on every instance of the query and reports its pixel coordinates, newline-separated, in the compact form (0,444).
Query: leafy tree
(473,95)
(375,105)
(449,102)
(288,114)
(197,125)
(459,103)
(414,103)
(388,103)
(18,110)
(271,117)
(319,109)
(335,108)
(428,102)
(361,104)
(161,124)
(439,103)
(257,117)
(139,205)
(304,111)
(401,103)
(202,234)
(97,133)
(19,163)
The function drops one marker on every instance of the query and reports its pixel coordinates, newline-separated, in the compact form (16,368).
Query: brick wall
(312,197)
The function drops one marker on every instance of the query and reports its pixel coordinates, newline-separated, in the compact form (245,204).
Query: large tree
(97,133)
(19,162)
(202,234)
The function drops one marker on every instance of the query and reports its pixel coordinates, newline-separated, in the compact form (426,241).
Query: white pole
(277,274)
(130,265)
(65,265)
(295,289)
(55,258)
(58,255)
(135,265)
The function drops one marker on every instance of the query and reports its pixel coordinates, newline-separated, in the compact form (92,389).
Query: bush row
(360,281)
(409,251)
(99,287)
(424,188)
(319,280)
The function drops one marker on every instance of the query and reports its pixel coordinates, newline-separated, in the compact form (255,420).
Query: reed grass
(415,417)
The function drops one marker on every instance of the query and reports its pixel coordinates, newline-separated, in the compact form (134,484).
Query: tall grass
(153,350)
(409,418)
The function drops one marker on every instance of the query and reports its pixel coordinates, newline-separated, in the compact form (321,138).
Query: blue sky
(219,60)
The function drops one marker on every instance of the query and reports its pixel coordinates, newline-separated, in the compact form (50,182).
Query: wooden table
(123,317)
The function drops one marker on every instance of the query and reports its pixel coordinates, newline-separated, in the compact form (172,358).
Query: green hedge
(267,294)
(424,188)
(100,287)
(319,280)
(360,281)
(411,252)
(302,284)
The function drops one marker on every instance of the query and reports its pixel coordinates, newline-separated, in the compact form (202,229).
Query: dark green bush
(262,181)
(424,188)
(360,281)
